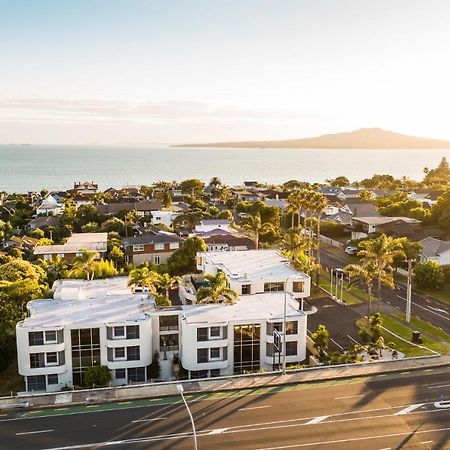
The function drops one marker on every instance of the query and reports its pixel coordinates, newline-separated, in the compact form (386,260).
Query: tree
(19,270)
(376,327)
(338,182)
(254,227)
(84,263)
(440,175)
(321,338)
(143,277)
(319,204)
(97,376)
(154,370)
(183,260)
(429,275)
(192,186)
(166,282)
(294,242)
(381,253)
(116,255)
(217,291)
(366,196)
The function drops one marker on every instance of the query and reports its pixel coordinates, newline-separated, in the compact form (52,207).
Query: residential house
(25,243)
(75,244)
(154,247)
(363,226)
(43,222)
(228,242)
(88,187)
(208,225)
(49,206)
(435,250)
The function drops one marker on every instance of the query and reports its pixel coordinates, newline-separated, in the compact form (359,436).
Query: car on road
(351,250)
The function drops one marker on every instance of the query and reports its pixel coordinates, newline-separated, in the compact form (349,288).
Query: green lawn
(442,295)
(350,297)
(405,331)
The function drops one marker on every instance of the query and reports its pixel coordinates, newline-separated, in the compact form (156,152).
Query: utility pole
(408,292)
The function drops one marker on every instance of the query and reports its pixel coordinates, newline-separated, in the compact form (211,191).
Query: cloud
(57,110)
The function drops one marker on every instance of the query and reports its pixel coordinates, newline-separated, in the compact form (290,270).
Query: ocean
(34,167)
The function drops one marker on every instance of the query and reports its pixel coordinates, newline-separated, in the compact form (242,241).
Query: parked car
(351,250)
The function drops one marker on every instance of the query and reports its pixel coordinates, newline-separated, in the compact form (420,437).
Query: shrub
(429,275)
(97,376)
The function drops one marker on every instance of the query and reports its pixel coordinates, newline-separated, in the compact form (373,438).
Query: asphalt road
(393,411)
(424,307)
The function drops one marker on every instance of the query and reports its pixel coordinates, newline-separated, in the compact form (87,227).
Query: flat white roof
(90,289)
(253,264)
(247,308)
(84,238)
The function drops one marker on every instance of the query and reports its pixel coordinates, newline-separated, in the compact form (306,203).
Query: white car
(351,250)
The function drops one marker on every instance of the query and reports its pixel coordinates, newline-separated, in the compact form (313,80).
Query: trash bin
(416,338)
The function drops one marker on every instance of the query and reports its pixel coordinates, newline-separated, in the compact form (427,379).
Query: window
(37,360)
(274,326)
(269,349)
(136,374)
(168,323)
(50,337)
(85,352)
(133,353)
(119,332)
(196,374)
(202,334)
(36,338)
(159,246)
(292,327)
(214,353)
(119,353)
(120,374)
(202,355)
(214,332)
(168,342)
(138,247)
(246,347)
(291,348)
(174,245)
(299,286)
(133,332)
(246,289)
(52,359)
(214,373)
(157,260)
(36,383)
(52,379)
(274,287)
(199,261)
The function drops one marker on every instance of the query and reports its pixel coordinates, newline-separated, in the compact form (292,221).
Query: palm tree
(293,206)
(218,290)
(381,252)
(252,224)
(165,282)
(294,242)
(143,277)
(85,263)
(319,205)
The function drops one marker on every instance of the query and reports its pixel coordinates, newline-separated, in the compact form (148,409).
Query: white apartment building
(102,322)
(256,272)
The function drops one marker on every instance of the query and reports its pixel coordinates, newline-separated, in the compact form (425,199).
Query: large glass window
(36,338)
(202,355)
(246,348)
(85,352)
(168,323)
(133,332)
(36,383)
(52,379)
(292,327)
(136,374)
(202,334)
(37,360)
(168,342)
(274,326)
(291,348)
(120,374)
(133,353)
(274,286)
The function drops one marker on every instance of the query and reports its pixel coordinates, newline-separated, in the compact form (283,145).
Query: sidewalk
(156,390)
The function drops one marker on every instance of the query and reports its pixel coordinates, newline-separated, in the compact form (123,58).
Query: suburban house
(43,222)
(363,226)
(88,187)
(145,208)
(25,243)
(94,242)
(343,214)
(49,206)
(153,246)
(163,217)
(228,242)
(208,225)
(435,250)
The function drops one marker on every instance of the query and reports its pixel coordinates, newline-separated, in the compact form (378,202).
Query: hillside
(370,138)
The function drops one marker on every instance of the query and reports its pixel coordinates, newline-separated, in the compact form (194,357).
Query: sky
(171,71)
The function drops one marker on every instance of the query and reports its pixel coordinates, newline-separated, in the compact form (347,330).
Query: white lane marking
(408,409)
(218,431)
(340,346)
(363,438)
(427,442)
(438,309)
(316,420)
(148,420)
(348,396)
(438,386)
(253,407)
(442,404)
(426,309)
(33,432)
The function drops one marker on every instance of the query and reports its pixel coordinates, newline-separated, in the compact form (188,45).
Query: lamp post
(284,324)
(408,292)
(181,390)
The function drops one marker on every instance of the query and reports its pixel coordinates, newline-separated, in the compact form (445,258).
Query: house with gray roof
(435,250)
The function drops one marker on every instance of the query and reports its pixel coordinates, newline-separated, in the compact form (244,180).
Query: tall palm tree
(143,277)
(293,206)
(218,290)
(165,282)
(85,263)
(381,252)
(294,242)
(253,225)
(319,205)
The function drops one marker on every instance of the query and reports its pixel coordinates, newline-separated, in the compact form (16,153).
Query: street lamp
(284,323)
(181,390)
